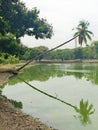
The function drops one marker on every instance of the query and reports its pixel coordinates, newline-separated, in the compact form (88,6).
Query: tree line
(88,52)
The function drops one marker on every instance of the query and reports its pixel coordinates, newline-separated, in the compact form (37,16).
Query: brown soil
(12,119)
(3,77)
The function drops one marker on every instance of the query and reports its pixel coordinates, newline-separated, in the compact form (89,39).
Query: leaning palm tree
(83,32)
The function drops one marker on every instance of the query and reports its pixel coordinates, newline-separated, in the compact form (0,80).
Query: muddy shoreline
(13,119)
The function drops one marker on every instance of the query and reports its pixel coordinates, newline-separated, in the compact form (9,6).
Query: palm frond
(83,32)
(90,32)
(77,33)
(90,108)
(88,36)
(86,104)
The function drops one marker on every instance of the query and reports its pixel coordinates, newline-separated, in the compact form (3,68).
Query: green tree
(78,54)
(10,45)
(35,53)
(39,51)
(95,49)
(20,21)
(83,32)
(3,26)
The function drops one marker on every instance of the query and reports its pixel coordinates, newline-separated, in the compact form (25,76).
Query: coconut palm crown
(83,32)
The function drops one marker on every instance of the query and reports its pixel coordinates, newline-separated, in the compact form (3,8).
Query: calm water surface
(73,83)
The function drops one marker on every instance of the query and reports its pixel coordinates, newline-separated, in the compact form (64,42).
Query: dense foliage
(16,21)
(10,49)
(15,18)
(6,58)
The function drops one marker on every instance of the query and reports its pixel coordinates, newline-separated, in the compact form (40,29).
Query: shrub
(5,58)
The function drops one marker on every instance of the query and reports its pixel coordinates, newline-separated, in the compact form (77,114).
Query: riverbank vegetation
(22,53)
(86,53)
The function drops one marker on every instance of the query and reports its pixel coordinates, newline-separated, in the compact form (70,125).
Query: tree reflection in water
(85,111)
(14,103)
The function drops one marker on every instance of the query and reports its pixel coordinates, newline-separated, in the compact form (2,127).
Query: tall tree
(20,21)
(83,32)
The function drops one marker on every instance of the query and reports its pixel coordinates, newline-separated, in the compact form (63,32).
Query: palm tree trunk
(75,42)
(44,53)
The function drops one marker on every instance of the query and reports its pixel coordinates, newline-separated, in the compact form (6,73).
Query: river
(75,84)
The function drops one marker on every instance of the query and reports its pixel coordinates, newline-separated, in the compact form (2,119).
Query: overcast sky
(64,15)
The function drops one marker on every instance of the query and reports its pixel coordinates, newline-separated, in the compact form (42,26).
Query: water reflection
(44,72)
(85,109)
(39,73)
(84,112)
(89,71)
(16,104)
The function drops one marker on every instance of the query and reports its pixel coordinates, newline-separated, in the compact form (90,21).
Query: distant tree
(39,51)
(83,32)
(95,46)
(35,53)
(60,54)
(78,53)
